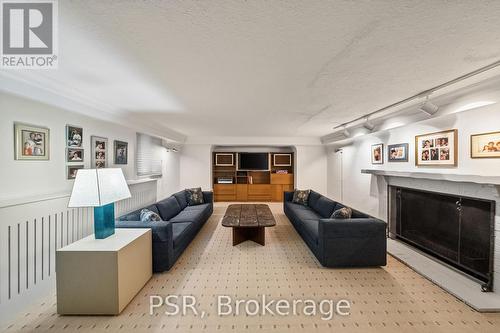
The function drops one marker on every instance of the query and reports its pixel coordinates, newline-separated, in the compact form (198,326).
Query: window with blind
(147,164)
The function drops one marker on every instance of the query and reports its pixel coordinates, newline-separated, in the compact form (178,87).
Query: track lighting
(368,125)
(428,107)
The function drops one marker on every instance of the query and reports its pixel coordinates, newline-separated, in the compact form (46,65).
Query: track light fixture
(428,107)
(368,125)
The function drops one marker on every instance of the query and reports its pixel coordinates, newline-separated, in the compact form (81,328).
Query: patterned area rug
(389,299)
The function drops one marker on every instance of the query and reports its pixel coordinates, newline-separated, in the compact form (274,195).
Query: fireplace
(457,230)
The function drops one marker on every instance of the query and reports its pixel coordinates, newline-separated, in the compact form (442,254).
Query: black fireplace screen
(455,229)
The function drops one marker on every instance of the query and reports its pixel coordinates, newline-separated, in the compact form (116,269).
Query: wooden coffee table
(248,222)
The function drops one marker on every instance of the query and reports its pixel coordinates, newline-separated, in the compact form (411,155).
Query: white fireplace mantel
(455,282)
(452,177)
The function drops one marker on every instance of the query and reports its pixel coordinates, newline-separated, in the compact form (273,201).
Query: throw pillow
(194,196)
(149,216)
(342,213)
(301,196)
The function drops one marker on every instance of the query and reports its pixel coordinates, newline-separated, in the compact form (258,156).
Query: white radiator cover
(32,231)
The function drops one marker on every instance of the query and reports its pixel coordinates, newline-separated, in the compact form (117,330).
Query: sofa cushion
(181,199)
(322,205)
(197,207)
(188,216)
(313,198)
(303,213)
(342,213)
(181,233)
(194,196)
(168,208)
(311,227)
(301,197)
(136,215)
(149,216)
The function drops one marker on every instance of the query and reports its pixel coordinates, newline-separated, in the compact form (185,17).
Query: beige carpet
(389,299)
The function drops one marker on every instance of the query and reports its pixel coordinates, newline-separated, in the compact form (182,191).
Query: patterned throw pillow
(342,213)
(301,196)
(149,216)
(194,196)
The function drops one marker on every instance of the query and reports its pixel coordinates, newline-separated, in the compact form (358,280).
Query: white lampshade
(98,187)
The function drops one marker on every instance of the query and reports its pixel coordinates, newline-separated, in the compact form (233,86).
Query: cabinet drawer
(259,192)
(281,179)
(225,189)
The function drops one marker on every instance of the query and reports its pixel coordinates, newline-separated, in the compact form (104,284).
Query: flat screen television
(253,161)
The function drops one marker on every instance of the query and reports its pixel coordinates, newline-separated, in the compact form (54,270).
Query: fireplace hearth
(457,230)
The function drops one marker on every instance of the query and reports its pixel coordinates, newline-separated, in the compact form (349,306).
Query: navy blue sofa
(356,242)
(180,224)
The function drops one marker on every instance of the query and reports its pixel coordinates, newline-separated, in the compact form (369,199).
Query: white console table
(101,276)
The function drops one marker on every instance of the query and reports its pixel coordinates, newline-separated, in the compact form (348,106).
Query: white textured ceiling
(266,68)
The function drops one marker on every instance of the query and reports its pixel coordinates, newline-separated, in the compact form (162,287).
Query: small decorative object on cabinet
(437,149)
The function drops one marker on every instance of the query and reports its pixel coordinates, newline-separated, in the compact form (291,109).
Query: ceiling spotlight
(428,107)
(369,125)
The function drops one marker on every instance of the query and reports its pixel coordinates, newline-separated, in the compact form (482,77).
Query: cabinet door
(277,193)
(241,192)
(259,192)
(224,192)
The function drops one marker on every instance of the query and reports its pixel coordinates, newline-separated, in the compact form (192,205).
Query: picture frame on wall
(121,152)
(72,171)
(437,149)
(74,136)
(74,155)
(397,152)
(99,152)
(31,142)
(377,153)
(485,145)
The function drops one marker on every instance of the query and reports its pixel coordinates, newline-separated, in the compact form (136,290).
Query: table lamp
(100,188)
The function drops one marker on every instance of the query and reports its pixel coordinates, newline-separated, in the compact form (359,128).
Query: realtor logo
(29,39)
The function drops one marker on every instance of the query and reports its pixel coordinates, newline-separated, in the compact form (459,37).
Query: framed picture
(437,149)
(31,142)
(397,152)
(378,153)
(72,170)
(99,152)
(74,155)
(485,145)
(121,152)
(74,136)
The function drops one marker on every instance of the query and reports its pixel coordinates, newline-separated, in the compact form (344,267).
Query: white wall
(169,183)
(34,178)
(311,168)
(361,190)
(196,166)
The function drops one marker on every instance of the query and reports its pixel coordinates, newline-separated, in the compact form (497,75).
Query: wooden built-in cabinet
(252,185)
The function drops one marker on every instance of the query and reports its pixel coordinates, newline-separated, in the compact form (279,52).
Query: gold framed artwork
(485,145)
(378,153)
(437,149)
(31,142)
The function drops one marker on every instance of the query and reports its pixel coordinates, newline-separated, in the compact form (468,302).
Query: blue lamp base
(104,221)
